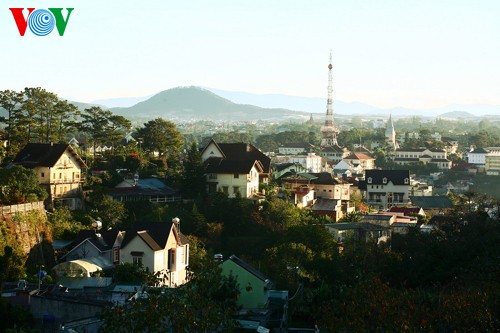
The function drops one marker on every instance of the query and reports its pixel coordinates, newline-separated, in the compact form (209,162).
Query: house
(359,232)
(492,162)
(143,189)
(477,156)
(334,153)
(311,162)
(343,169)
(96,244)
(328,207)
(360,161)
(59,170)
(159,248)
(282,168)
(435,205)
(386,188)
(437,157)
(294,148)
(408,211)
(254,286)
(235,168)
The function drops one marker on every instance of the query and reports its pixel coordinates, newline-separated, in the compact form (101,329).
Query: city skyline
(416,54)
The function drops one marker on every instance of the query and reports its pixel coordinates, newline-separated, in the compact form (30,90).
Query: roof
(431,202)
(322,204)
(358,156)
(356,225)
(103,242)
(219,165)
(406,210)
(479,151)
(248,268)
(334,149)
(397,177)
(45,154)
(243,152)
(324,178)
(154,234)
(296,145)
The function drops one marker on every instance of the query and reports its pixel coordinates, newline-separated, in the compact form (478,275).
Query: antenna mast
(329,132)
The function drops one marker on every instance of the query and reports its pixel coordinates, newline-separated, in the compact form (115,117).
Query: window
(60,175)
(136,257)
(406,180)
(369,180)
(384,180)
(137,261)
(116,255)
(42,174)
(236,175)
(236,189)
(225,189)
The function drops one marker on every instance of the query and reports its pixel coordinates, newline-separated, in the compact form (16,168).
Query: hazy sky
(388,53)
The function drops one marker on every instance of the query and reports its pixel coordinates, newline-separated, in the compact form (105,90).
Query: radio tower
(329,132)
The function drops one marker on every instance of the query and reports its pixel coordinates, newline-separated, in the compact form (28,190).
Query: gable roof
(242,152)
(249,268)
(431,202)
(154,234)
(220,165)
(358,156)
(45,154)
(103,240)
(397,177)
(408,211)
(324,178)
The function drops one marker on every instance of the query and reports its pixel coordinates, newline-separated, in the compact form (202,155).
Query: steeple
(328,131)
(390,133)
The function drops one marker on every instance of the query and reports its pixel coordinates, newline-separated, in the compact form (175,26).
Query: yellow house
(59,170)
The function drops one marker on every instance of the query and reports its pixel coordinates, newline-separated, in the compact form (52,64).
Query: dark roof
(431,202)
(219,165)
(406,210)
(44,154)
(243,152)
(249,268)
(334,149)
(479,151)
(324,205)
(324,178)
(356,225)
(397,177)
(104,242)
(358,156)
(155,234)
(283,166)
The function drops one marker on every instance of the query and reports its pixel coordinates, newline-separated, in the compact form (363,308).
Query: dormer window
(384,180)
(369,180)
(407,180)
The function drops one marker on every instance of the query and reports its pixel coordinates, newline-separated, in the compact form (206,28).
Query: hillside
(193,103)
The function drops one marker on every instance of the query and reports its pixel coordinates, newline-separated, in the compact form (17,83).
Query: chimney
(177,222)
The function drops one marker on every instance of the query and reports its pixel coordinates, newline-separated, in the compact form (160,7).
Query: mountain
(120,102)
(318,105)
(194,103)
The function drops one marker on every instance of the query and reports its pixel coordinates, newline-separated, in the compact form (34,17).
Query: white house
(311,162)
(158,247)
(433,156)
(235,168)
(386,188)
(59,170)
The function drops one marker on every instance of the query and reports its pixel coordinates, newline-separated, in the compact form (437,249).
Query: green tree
(11,102)
(207,303)
(193,177)
(110,212)
(19,185)
(161,136)
(64,225)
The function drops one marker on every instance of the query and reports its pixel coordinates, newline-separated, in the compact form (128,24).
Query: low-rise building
(59,170)
(386,188)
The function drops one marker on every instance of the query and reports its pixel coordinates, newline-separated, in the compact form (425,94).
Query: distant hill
(194,103)
(457,115)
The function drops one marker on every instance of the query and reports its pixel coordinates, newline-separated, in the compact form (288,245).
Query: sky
(387,53)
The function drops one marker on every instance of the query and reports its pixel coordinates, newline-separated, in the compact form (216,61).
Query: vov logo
(41,21)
